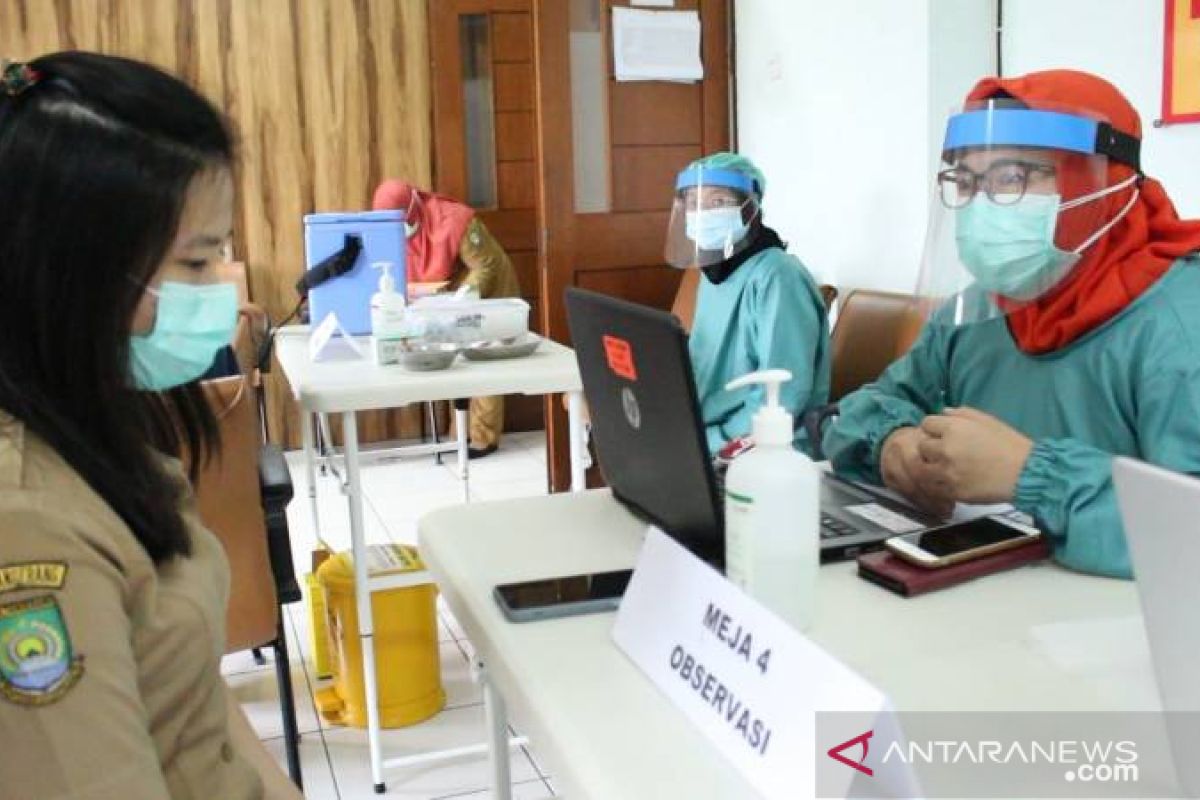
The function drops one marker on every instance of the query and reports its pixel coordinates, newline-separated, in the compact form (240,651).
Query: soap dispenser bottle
(772,512)
(387,316)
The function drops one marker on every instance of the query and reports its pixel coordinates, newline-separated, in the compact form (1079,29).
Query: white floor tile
(403,530)
(243,661)
(537,765)
(258,695)
(526,440)
(508,490)
(461,690)
(452,728)
(526,790)
(403,507)
(402,476)
(315,768)
(505,465)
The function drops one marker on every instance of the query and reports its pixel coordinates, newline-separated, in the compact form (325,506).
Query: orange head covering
(1126,260)
(439,227)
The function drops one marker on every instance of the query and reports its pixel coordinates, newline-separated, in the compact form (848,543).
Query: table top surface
(1039,638)
(361,384)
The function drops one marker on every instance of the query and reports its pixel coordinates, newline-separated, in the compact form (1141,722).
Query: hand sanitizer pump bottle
(772,513)
(387,316)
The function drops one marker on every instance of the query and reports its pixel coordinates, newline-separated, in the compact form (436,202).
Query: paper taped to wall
(656,45)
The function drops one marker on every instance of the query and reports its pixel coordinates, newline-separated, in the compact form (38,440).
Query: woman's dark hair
(96,159)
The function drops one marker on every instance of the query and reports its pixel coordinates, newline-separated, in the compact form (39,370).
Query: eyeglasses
(709,203)
(1004,182)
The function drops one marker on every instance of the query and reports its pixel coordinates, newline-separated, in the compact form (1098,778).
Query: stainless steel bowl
(512,347)
(428,356)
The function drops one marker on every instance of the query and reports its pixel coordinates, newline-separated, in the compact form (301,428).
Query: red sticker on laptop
(620,357)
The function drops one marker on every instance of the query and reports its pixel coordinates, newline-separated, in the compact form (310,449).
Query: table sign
(330,342)
(748,681)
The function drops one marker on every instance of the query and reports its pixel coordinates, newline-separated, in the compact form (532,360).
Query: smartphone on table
(562,597)
(962,541)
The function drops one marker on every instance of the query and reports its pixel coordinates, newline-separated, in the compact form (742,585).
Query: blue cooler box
(349,295)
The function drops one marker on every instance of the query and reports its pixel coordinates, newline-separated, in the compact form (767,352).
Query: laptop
(1158,508)
(637,378)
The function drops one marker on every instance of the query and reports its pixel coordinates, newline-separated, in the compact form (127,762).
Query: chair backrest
(229,499)
(228,490)
(873,329)
(684,305)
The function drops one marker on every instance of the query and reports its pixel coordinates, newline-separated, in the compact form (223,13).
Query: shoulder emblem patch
(37,663)
(32,575)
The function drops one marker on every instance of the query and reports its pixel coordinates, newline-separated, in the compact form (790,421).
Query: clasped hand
(961,455)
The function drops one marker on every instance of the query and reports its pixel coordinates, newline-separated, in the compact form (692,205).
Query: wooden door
(608,154)
(484,142)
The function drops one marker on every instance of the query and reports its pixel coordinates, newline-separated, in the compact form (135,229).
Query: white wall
(841,104)
(1122,41)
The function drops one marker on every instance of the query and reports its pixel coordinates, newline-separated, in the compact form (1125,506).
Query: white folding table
(349,386)
(603,729)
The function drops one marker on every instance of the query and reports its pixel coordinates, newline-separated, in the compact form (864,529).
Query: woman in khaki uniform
(449,246)
(115,199)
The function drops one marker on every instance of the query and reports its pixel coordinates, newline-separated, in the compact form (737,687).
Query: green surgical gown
(767,315)
(1130,387)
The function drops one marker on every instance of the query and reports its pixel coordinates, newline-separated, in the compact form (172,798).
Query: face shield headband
(728,178)
(1021,127)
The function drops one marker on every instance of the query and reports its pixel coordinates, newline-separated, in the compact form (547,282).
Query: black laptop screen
(637,379)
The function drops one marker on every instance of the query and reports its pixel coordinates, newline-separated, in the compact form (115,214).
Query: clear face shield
(710,218)
(1018,200)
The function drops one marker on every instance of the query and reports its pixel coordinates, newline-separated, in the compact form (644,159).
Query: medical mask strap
(757,210)
(1095,237)
(1088,198)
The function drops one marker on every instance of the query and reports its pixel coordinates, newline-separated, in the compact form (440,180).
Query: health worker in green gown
(757,307)
(1063,328)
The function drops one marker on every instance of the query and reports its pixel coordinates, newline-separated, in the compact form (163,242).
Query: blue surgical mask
(716,229)
(191,324)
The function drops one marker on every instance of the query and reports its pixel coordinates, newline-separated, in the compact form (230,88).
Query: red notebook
(905,578)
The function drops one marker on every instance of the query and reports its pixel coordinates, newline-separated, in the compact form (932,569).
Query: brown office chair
(242,497)
(873,329)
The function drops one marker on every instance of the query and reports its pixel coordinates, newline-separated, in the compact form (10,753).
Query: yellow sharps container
(407,665)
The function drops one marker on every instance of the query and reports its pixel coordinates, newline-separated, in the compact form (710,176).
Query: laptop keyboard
(831,527)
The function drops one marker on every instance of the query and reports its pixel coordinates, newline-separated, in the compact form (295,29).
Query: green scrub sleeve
(908,390)
(1067,486)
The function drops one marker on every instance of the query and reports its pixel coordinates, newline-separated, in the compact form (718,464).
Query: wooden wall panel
(516,182)
(526,264)
(512,38)
(513,87)
(655,113)
(653,286)
(644,177)
(514,136)
(327,98)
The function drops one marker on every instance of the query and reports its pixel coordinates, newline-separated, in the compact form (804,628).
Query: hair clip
(16,77)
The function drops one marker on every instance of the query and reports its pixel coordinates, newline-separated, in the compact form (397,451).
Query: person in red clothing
(449,247)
